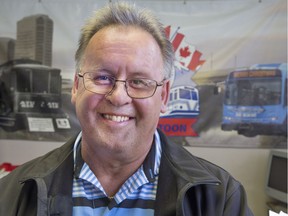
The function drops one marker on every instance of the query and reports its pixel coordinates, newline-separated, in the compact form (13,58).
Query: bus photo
(183,103)
(30,97)
(255,100)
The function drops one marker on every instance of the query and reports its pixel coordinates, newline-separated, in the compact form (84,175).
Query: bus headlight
(227,118)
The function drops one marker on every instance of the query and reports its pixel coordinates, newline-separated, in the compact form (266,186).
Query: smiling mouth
(116,118)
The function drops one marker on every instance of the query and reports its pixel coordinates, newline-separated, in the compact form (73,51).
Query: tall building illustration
(7,48)
(34,38)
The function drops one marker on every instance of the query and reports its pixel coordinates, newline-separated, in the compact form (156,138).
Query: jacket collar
(180,160)
(184,164)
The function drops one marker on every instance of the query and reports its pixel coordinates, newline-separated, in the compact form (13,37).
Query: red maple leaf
(184,52)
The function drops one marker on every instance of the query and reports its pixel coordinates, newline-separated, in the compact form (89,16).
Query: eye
(140,83)
(101,79)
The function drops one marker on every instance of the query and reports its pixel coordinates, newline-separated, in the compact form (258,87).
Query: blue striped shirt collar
(148,172)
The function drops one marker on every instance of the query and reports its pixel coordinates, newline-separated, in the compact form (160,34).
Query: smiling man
(121,77)
(120,163)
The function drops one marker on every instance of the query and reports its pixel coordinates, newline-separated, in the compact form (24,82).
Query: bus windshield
(253,92)
(187,94)
(38,81)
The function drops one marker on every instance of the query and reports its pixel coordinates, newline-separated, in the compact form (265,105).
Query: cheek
(86,102)
(150,109)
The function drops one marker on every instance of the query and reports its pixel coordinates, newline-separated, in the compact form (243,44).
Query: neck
(112,168)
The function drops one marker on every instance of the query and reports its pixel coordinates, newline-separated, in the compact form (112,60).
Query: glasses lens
(98,83)
(141,88)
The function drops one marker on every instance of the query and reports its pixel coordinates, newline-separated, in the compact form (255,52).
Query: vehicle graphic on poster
(183,103)
(255,100)
(182,112)
(30,97)
(182,107)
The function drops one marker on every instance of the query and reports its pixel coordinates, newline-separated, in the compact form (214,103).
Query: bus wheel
(9,128)
(247,133)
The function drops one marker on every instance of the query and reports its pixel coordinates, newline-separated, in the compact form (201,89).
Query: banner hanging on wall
(229,84)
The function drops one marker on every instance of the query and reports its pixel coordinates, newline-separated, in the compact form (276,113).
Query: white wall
(20,151)
(246,165)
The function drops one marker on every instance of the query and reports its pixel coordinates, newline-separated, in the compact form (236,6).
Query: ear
(165,96)
(74,89)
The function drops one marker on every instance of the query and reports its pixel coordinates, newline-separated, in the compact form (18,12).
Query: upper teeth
(116,118)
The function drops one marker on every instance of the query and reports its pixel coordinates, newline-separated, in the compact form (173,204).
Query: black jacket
(187,186)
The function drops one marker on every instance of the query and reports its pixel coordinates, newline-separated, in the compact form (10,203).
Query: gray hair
(126,14)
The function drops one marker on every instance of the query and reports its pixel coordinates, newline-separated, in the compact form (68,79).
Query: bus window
(171,96)
(185,94)
(55,83)
(267,92)
(231,94)
(194,95)
(23,78)
(245,93)
(253,92)
(40,82)
(285,93)
(175,95)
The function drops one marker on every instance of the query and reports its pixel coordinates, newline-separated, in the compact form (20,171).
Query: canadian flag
(186,54)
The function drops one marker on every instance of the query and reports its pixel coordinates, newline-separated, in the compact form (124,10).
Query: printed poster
(229,80)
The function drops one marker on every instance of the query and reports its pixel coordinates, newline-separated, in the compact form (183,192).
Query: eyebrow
(91,68)
(139,74)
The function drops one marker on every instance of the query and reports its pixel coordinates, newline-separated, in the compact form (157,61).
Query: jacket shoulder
(40,166)
(191,167)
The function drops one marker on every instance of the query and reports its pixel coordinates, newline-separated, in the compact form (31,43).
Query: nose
(118,95)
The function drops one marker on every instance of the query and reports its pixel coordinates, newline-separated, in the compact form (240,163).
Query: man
(120,164)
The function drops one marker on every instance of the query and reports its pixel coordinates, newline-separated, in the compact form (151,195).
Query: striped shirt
(135,197)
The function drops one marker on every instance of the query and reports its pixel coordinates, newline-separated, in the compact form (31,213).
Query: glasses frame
(126,88)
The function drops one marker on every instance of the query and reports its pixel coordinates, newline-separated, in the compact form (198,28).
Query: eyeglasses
(138,88)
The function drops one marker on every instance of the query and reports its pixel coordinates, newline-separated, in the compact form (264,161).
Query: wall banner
(229,84)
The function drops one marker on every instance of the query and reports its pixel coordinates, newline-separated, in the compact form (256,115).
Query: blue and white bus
(255,100)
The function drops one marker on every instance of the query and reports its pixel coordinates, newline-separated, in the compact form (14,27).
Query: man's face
(116,121)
